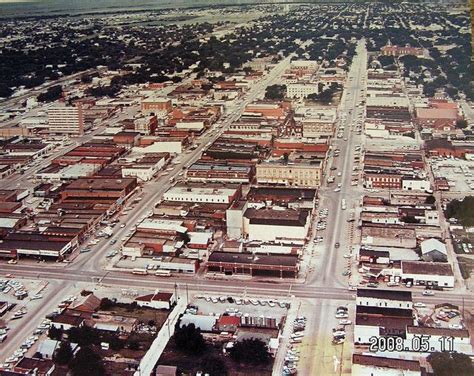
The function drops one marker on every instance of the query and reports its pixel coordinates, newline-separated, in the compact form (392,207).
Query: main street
(279,288)
(330,264)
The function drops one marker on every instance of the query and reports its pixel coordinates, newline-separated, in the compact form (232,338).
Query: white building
(162,146)
(384,298)
(301,90)
(201,194)
(70,172)
(235,218)
(428,273)
(162,226)
(440,338)
(190,125)
(204,322)
(391,101)
(143,167)
(157,300)
(376,131)
(368,365)
(432,217)
(304,64)
(379,322)
(276,224)
(413,184)
(64,119)
(433,250)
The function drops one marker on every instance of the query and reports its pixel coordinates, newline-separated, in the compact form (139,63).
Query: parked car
(419,305)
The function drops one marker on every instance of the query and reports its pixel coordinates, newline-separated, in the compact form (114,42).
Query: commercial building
(394,50)
(241,263)
(157,300)
(63,119)
(415,184)
(216,193)
(301,89)
(276,224)
(295,173)
(379,321)
(156,106)
(143,166)
(437,118)
(384,298)
(371,365)
(220,171)
(433,250)
(146,125)
(428,273)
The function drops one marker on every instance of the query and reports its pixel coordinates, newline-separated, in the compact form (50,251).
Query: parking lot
(217,305)
(458,173)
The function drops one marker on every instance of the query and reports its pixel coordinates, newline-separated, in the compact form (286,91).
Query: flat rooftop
(246,258)
(430,268)
(385,294)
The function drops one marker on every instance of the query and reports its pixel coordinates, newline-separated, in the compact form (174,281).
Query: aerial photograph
(236,188)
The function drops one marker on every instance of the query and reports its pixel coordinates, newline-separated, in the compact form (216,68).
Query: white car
(419,305)
(345,322)
(428,293)
(455,326)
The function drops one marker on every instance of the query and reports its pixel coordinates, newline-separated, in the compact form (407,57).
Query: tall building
(65,119)
(157,106)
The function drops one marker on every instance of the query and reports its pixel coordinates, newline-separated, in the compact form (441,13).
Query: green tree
(276,92)
(250,351)
(87,362)
(5,91)
(134,345)
(430,200)
(461,124)
(55,333)
(86,79)
(84,336)
(450,364)
(106,304)
(53,93)
(189,339)
(213,365)
(63,354)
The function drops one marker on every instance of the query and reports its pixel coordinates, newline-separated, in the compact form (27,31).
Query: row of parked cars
(245,301)
(339,334)
(292,355)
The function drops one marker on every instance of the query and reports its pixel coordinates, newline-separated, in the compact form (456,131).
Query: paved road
(328,273)
(277,288)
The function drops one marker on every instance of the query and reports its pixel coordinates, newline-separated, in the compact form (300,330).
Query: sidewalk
(150,359)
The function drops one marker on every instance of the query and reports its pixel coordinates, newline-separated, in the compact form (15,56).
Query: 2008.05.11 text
(422,343)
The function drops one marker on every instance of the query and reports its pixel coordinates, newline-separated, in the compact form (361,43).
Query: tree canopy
(250,351)
(63,354)
(276,92)
(87,362)
(189,339)
(450,364)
